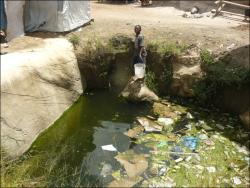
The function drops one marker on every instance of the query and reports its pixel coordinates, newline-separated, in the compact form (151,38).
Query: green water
(69,153)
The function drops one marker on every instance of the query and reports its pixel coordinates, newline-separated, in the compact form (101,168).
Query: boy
(140,51)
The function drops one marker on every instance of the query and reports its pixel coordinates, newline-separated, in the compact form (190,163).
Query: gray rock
(194,10)
(137,91)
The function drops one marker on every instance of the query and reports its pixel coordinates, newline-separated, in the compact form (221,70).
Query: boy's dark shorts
(138,59)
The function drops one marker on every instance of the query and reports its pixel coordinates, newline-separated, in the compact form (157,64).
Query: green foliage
(166,49)
(75,40)
(167,73)
(206,57)
(218,74)
(172,49)
(151,81)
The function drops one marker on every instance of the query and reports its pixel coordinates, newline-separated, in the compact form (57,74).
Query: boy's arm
(141,45)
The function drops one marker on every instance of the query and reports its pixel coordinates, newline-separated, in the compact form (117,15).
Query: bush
(75,40)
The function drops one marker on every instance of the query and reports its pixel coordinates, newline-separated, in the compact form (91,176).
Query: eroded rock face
(186,73)
(137,91)
(37,86)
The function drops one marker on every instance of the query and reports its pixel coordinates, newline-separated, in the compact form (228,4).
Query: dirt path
(159,23)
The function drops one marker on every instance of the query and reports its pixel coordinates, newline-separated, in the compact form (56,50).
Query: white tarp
(14,12)
(56,16)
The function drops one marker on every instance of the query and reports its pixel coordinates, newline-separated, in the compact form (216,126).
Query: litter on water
(109,148)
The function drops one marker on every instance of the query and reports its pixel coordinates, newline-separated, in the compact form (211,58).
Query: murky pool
(69,153)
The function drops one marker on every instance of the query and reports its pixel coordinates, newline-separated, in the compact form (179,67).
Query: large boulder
(137,91)
(245,119)
(37,85)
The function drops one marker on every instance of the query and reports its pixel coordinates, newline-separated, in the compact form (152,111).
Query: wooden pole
(237,4)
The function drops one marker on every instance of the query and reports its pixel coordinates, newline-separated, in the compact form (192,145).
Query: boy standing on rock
(140,51)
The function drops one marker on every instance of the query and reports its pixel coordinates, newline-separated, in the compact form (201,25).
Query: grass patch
(75,40)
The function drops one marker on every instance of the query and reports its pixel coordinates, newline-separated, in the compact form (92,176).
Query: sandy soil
(158,23)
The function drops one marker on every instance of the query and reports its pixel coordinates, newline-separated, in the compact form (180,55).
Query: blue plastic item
(190,142)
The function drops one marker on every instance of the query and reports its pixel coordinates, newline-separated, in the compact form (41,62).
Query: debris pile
(179,146)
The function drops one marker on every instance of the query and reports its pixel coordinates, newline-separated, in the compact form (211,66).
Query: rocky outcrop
(37,85)
(137,91)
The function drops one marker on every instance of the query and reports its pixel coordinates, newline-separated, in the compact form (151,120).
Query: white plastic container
(139,70)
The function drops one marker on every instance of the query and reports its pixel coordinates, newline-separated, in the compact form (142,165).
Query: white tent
(55,16)
(14,13)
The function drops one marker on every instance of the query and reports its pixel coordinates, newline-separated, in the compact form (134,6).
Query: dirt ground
(158,23)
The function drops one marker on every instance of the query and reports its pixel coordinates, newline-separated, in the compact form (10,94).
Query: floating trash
(211,169)
(236,180)
(165,121)
(116,175)
(190,142)
(189,116)
(179,160)
(176,149)
(188,158)
(162,144)
(203,136)
(209,142)
(162,171)
(189,127)
(109,148)
(219,126)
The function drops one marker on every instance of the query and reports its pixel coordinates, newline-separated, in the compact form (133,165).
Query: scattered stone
(134,164)
(194,10)
(211,169)
(149,125)
(213,11)
(231,46)
(133,133)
